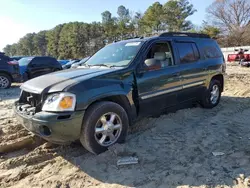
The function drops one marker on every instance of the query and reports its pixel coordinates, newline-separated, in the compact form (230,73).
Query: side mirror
(150,62)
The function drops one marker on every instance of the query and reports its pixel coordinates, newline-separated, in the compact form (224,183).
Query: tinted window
(52,61)
(188,52)
(211,52)
(38,61)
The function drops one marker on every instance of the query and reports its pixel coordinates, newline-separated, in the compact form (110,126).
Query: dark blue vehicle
(9,71)
(31,67)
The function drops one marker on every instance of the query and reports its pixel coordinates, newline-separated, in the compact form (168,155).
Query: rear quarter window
(52,61)
(211,52)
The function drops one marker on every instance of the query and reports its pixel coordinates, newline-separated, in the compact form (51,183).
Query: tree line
(227,21)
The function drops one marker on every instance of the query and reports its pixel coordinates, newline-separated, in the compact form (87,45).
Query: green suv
(123,81)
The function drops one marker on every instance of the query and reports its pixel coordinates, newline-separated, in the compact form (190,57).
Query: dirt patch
(174,150)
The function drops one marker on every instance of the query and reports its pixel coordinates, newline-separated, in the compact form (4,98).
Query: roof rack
(184,34)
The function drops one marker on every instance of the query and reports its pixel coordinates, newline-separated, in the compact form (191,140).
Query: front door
(158,83)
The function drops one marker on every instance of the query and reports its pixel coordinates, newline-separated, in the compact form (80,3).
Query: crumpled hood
(58,81)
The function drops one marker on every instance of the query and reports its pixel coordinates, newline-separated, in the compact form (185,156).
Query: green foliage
(7,50)
(153,18)
(176,13)
(53,37)
(109,26)
(40,43)
(212,31)
(78,39)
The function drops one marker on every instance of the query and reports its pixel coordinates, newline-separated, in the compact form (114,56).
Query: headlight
(59,102)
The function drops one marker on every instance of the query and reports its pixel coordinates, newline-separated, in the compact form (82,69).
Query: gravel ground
(174,150)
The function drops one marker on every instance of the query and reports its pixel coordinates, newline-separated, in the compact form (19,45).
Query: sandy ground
(174,150)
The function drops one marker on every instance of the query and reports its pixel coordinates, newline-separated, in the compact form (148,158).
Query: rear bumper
(59,128)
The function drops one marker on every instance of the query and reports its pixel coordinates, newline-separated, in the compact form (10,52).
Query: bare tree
(233,18)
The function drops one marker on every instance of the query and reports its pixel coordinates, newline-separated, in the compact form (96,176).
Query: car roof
(38,56)
(169,35)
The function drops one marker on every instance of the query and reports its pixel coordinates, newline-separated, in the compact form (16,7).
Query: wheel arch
(220,78)
(123,101)
(7,73)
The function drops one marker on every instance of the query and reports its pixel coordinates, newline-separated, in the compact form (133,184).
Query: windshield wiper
(104,65)
(116,66)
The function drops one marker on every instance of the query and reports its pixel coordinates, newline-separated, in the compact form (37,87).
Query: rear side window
(188,52)
(25,61)
(40,61)
(49,60)
(53,61)
(211,52)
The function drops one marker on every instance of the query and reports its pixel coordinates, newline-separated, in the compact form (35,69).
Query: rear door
(192,71)
(158,86)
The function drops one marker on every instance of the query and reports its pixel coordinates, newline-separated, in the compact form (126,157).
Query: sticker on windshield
(133,44)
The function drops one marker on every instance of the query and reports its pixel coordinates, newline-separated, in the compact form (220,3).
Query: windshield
(25,61)
(116,54)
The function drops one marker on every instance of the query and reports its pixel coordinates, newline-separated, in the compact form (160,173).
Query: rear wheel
(212,96)
(104,124)
(5,81)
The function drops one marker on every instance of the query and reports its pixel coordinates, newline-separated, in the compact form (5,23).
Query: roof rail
(184,34)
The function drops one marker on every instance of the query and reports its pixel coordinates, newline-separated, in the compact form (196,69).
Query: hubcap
(214,94)
(4,82)
(108,129)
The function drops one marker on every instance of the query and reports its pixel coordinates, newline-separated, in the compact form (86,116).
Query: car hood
(58,81)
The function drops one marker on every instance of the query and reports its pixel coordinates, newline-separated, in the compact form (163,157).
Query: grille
(34,100)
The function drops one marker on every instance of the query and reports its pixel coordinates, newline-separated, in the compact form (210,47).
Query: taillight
(13,62)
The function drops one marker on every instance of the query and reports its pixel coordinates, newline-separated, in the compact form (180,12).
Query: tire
(92,122)
(5,81)
(207,101)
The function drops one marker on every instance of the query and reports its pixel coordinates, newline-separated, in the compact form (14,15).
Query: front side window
(188,52)
(159,56)
(117,54)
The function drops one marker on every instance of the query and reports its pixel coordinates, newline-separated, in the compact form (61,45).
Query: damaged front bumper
(56,127)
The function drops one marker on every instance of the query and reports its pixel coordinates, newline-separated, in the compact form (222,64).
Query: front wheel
(211,97)
(5,81)
(104,124)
